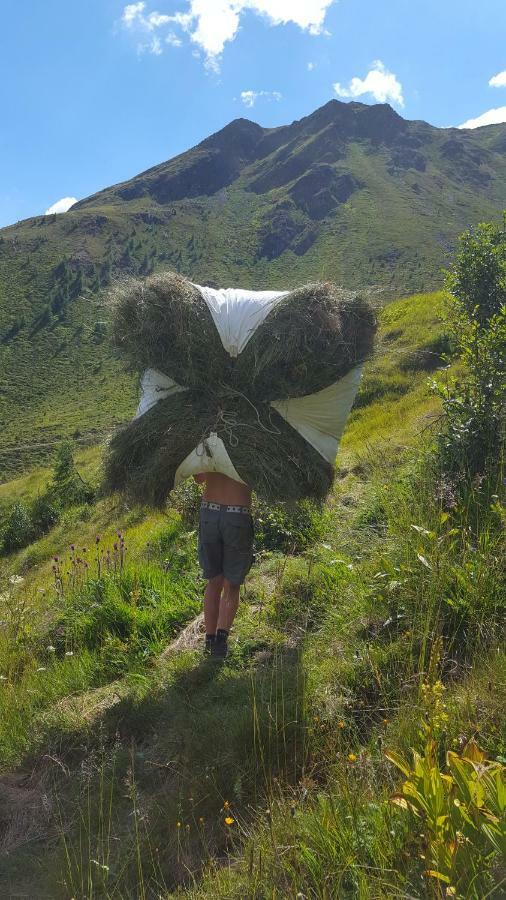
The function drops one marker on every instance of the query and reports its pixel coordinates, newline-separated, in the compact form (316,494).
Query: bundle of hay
(257,386)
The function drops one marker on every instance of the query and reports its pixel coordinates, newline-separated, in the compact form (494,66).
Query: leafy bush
(18,529)
(26,523)
(186,499)
(67,488)
(287,528)
(473,405)
(45,514)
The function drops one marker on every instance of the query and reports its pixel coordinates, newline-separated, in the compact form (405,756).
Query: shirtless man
(225,553)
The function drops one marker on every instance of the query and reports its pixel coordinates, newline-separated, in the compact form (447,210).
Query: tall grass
(108,617)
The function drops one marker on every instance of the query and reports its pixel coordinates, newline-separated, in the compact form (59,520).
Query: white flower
(69,653)
(100,865)
(41,669)
(16,579)
(51,649)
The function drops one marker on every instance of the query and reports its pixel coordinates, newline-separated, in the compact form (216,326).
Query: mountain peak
(239,135)
(378,121)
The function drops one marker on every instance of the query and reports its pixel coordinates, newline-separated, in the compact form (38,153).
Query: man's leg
(228,608)
(228,605)
(212,596)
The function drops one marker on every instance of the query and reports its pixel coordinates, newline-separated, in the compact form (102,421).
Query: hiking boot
(209,644)
(219,649)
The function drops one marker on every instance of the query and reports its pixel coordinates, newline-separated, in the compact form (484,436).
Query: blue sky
(94,92)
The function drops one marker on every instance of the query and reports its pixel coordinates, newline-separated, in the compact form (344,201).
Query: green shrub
(18,529)
(45,514)
(186,499)
(67,488)
(287,528)
(473,427)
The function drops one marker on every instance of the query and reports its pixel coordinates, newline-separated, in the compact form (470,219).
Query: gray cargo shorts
(225,541)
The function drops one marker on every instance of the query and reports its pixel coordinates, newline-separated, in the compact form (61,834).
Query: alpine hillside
(352,193)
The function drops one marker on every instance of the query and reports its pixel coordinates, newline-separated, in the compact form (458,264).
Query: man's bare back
(222,489)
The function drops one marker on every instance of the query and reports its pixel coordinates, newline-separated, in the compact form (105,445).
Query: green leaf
(431,873)
(398,761)
(496,834)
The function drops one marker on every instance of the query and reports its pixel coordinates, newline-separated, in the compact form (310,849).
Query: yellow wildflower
(352,757)
(229,820)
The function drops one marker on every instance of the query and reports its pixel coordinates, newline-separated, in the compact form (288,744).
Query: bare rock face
(469,163)
(407,158)
(322,190)
(280,231)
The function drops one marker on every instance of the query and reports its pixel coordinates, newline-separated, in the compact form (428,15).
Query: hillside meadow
(366,676)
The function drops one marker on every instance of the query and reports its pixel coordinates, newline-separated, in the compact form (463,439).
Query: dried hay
(310,339)
(163,322)
(266,451)
(314,336)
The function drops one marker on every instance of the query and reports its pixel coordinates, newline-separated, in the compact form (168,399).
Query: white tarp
(155,386)
(237,313)
(321,418)
(209,457)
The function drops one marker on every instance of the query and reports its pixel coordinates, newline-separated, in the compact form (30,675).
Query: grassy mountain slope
(122,759)
(352,193)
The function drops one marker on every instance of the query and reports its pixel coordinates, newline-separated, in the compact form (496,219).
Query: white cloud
(498,80)
(135,19)
(156,19)
(210,24)
(155,46)
(173,39)
(490,117)
(311,66)
(61,206)
(132,13)
(249,98)
(307,14)
(379,82)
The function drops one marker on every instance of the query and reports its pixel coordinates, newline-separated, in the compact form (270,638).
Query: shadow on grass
(141,802)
